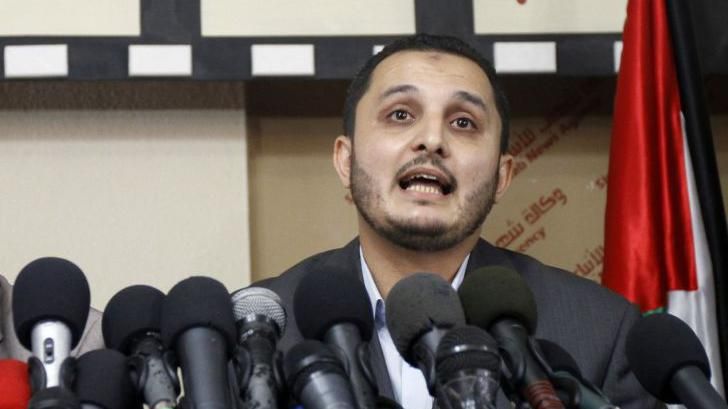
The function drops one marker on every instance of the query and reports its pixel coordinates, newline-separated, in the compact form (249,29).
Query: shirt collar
(375,297)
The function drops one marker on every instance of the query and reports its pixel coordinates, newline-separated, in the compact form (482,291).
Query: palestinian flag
(665,230)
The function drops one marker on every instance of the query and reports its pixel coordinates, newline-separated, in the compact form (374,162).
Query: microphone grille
(259,301)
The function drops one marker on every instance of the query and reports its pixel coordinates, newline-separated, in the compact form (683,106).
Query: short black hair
(425,42)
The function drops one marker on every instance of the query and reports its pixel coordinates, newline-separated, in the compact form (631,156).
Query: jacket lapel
(485,254)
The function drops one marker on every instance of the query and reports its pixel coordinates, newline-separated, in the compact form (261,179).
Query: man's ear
(343,150)
(505,174)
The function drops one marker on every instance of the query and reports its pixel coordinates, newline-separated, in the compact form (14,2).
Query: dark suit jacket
(589,321)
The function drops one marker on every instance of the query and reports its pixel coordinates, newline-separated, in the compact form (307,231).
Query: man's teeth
(424,188)
(428,177)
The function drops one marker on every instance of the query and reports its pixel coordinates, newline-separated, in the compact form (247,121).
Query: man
(424,156)
(10,347)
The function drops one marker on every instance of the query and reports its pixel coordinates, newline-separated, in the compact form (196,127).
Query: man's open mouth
(425,182)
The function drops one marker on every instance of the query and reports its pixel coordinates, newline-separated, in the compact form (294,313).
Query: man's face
(424,164)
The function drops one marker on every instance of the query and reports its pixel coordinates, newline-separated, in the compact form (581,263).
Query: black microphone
(420,310)
(131,325)
(103,381)
(670,362)
(198,324)
(467,369)
(577,392)
(260,320)
(498,300)
(331,307)
(316,377)
(50,306)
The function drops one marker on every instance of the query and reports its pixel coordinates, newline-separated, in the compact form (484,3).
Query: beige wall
(142,196)
(297,203)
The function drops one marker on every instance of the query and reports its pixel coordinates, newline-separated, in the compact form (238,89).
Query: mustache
(428,159)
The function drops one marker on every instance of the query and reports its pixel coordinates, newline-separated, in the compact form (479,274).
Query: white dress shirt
(408,383)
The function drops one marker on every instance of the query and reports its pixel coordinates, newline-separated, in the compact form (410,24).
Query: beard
(414,234)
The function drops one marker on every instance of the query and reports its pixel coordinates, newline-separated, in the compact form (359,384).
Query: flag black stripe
(705,168)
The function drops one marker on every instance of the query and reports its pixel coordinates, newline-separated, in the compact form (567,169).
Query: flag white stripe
(697,308)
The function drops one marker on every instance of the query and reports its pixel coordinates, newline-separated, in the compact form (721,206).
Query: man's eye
(400,115)
(463,123)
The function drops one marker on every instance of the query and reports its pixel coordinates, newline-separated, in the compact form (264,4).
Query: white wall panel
(548,16)
(307,17)
(132,197)
(70,17)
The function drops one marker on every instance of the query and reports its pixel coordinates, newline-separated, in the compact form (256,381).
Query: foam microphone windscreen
(197,302)
(326,297)
(492,293)
(416,305)
(465,348)
(557,358)
(14,384)
(54,289)
(131,312)
(102,379)
(657,347)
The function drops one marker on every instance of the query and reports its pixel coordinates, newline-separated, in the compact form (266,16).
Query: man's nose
(432,138)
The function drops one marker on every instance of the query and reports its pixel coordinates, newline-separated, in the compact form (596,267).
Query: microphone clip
(56,397)
(39,379)
(243,369)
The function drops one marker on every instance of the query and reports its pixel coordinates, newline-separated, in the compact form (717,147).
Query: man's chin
(421,227)
(429,236)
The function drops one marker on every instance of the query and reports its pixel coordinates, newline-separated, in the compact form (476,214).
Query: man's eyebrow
(397,89)
(470,97)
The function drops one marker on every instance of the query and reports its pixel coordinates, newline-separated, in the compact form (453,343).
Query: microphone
(103,381)
(316,377)
(198,324)
(420,310)
(670,362)
(498,300)
(14,384)
(131,325)
(579,392)
(50,306)
(467,369)
(331,307)
(260,320)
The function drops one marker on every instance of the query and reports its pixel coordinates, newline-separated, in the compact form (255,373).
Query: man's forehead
(416,66)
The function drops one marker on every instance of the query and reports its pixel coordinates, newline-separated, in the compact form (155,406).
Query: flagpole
(700,145)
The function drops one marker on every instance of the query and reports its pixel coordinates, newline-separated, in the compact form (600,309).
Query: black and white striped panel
(198,40)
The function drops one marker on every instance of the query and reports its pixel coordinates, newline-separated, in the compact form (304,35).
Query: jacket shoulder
(552,282)
(286,283)
(288,280)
